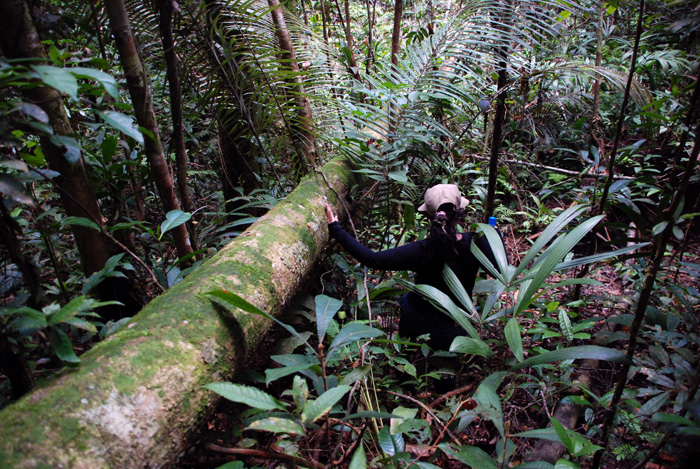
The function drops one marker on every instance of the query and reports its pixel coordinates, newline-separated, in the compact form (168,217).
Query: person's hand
(330,216)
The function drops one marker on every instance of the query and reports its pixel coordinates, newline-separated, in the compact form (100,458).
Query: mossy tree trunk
(137,396)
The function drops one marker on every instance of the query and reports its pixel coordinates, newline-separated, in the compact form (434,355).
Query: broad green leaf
(233,465)
(565,325)
(471,346)
(599,257)
(552,230)
(536,465)
(273,374)
(326,307)
(458,289)
(398,176)
(112,327)
(566,464)
(63,347)
(548,433)
(235,301)
(514,339)
(108,82)
(77,305)
(81,221)
(313,410)
(105,272)
(247,395)
(563,435)
(400,414)
(300,392)
(368,414)
(652,406)
(592,352)
(14,190)
(35,112)
(356,374)
(28,320)
(81,324)
(391,444)
(489,404)
(173,219)
(352,332)
(671,418)
(359,458)
(473,457)
(122,123)
(548,260)
(58,78)
(70,146)
(498,249)
(277,425)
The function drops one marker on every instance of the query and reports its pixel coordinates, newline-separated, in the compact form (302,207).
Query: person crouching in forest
(444,206)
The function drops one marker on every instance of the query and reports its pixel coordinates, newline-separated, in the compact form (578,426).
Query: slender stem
(623,109)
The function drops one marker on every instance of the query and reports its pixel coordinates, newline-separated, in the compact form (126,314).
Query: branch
(266,454)
(557,170)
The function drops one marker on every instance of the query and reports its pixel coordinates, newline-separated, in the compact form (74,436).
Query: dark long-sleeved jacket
(426,258)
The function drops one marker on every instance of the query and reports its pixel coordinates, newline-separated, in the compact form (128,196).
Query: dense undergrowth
(582,156)
(392,402)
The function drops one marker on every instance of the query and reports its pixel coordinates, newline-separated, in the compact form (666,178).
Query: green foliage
(54,318)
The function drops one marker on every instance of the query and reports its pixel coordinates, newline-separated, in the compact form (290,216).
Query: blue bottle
(492,221)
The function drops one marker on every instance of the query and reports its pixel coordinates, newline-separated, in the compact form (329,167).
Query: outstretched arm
(407,257)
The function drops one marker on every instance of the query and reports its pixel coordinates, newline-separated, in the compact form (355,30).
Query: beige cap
(442,194)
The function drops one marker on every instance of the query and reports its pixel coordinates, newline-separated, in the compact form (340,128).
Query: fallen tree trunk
(136,396)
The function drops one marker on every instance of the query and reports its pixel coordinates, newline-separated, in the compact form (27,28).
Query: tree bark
(498,122)
(396,34)
(352,64)
(20,39)
(165,7)
(137,82)
(302,129)
(137,396)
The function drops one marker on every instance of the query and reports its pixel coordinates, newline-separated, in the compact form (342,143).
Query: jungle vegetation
(139,137)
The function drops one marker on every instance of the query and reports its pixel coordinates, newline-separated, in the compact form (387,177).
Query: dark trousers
(414,322)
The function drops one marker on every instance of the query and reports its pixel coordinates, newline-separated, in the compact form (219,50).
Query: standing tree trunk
(396,34)
(371,17)
(352,64)
(302,129)
(137,83)
(19,39)
(498,123)
(165,7)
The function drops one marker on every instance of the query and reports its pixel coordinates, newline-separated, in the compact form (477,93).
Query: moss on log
(136,396)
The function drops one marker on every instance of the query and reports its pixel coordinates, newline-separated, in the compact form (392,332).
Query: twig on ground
(265,454)
(454,392)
